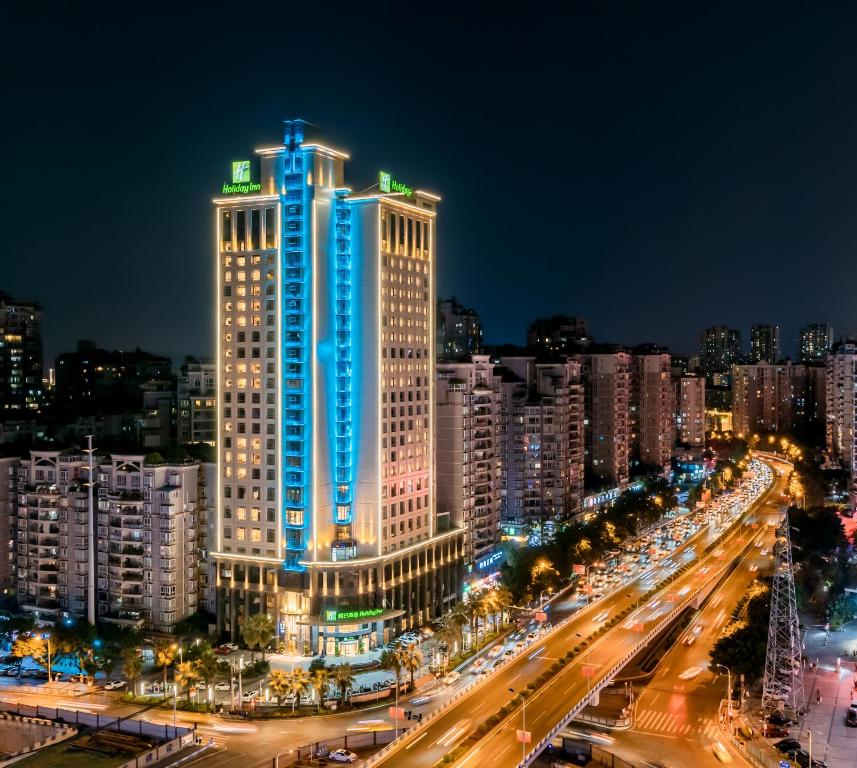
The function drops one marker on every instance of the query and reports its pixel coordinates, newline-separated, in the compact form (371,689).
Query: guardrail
(434,714)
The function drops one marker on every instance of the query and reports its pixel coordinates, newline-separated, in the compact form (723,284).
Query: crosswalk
(654,721)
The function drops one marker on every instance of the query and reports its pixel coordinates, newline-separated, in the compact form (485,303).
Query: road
(675,720)
(554,700)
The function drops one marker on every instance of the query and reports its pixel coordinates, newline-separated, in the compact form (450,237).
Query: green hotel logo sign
(241,184)
(387,184)
(240,171)
(350,614)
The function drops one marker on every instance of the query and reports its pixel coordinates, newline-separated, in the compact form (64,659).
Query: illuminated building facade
(814,342)
(326,350)
(21,388)
(652,408)
(841,406)
(690,410)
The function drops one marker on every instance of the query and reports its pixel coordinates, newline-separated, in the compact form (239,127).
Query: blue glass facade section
(296,250)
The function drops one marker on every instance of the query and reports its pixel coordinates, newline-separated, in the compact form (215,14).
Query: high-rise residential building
(560,334)
(21,388)
(764,343)
(326,347)
(721,349)
(542,440)
(158,420)
(196,396)
(651,411)
(769,397)
(841,406)
(468,468)
(690,410)
(607,392)
(92,380)
(815,342)
(8,498)
(147,562)
(459,331)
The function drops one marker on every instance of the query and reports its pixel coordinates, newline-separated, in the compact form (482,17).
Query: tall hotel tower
(325,340)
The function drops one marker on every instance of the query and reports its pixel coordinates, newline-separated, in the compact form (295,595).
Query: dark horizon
(655,171)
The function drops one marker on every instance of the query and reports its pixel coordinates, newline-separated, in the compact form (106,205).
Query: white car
(690,673)
(115,685)
(477,666)
(721,753)
(450,678)
(249,696)
(224,685)
(598,618)
(342,756)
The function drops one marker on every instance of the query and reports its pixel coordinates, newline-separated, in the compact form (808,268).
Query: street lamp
(523,725)
(47,638)
(728,696)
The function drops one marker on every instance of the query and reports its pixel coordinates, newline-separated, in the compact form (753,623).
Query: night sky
(654,170)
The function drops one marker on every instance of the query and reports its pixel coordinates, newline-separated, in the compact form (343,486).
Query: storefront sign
(350,614)
(386,183)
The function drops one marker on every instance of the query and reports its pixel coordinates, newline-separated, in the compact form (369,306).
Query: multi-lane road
(552,702)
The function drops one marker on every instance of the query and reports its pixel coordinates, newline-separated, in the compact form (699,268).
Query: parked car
(249,696)
(801,757)
(786,745)
(771,731)
(342,756)
(115,685)
(224,685)
(851,718)
(778,718)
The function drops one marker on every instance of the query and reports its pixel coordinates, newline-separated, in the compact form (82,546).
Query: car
(532,636)
(225,685)
(599,617)
(249,696)
(771,731)
(153,687)
(778,718)
(519,646)
(509,653)
(787,745)
(222,650)
(689,639)
(851,718)
(115,685)
(690,673)
(477,666)
(495,651)
(342,756)
(450,677)
(721,753)
(801,757)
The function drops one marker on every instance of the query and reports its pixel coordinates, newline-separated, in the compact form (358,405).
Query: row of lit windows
(255,534)
(243,230)
(241,261)
(402,322)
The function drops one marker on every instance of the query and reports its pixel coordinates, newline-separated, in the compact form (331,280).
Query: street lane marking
(416,740)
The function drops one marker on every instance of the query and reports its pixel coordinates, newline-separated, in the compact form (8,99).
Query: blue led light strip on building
(344,448)
(297,327)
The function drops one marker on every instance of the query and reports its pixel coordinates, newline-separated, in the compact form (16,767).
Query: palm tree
(206,667)
(319,681)
(132,665)
(280,684)
(412,659)
(343,679)
(257,631)
(165,654)
(392,660)
(448,635)
(502,599)
(184,676)
(476,609)
(299,684)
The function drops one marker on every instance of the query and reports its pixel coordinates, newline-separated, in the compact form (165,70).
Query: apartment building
(459,331)
(468,468)
(815,342)
(327,519)
(606,380)
(542,447)
(8,483)
(21,365)
(146,560)
(771,398)
(764,344)
(841,406)
(196,398)
(690,410)
(651,412)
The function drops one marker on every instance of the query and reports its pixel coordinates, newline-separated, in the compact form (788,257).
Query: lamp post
(47,638)
(728,696)
(523,725)
(809,733)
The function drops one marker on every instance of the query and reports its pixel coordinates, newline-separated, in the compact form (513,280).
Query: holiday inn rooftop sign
(241,184)
(386,183)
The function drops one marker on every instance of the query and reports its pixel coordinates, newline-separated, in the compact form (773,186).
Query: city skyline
(672,170)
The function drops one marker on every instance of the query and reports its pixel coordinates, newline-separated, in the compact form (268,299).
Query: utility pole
(91,565)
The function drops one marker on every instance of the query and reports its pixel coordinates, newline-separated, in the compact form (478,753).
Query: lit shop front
(346,631)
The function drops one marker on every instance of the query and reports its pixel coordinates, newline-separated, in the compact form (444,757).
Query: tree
(343,679)
(206,667)
(257,631)
(132,665)
(280,684)
(319,679)
(299,684)
(393,661)
(29,645)
(412,659)
(476,610)
(185,674)
(501,600)
(165,654)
